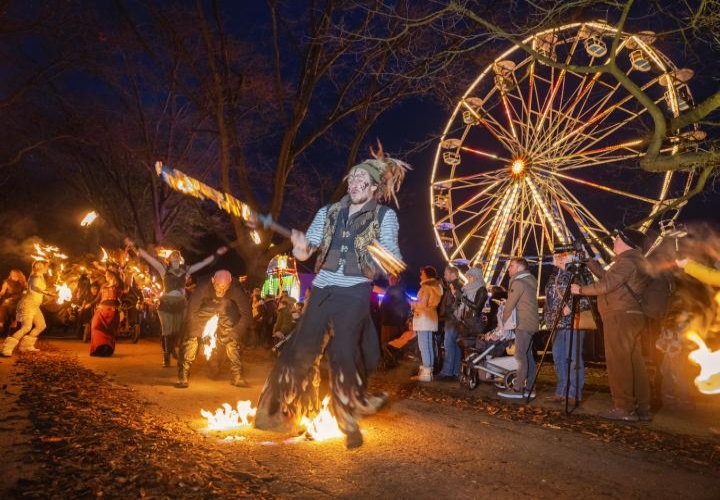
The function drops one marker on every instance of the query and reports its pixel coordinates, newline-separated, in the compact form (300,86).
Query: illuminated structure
(532,155)
(282,275)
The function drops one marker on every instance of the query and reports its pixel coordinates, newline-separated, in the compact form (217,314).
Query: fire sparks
(323,426)
(708,382)
(64,293)
(89,219)
(227,418)
(209,335)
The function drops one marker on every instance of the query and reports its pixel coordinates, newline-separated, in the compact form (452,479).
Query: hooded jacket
(425,316)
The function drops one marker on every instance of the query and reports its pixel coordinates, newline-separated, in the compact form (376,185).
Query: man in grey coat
(522,296)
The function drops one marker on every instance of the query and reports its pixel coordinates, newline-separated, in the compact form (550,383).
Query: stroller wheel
(509,379)
(472,381)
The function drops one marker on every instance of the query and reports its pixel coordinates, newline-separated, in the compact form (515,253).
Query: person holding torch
(337,317)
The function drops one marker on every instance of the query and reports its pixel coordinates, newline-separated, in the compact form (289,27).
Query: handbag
(585,321)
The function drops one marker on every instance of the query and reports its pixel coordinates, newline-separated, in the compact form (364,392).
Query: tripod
(574,346)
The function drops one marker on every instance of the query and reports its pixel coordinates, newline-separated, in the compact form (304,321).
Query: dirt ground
(72,426)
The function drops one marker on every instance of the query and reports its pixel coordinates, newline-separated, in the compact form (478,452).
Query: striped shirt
(387,238)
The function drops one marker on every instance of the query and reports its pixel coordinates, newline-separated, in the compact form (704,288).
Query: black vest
(345,239)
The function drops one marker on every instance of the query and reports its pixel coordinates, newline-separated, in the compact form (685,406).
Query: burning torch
(188,185)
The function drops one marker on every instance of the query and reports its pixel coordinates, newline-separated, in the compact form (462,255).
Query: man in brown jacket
(522,296)
(623,322)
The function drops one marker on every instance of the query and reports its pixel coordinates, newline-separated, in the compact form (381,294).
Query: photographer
(566,348)
(623,322)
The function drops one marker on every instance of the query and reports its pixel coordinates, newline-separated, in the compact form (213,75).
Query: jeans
(451,363)
(560,348)
(525,359)
(427,352)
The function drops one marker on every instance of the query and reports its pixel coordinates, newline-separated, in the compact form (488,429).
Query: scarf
(471,288)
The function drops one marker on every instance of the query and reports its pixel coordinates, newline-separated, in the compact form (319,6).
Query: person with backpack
(623,322)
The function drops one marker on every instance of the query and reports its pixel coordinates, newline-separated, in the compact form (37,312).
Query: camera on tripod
(579,254)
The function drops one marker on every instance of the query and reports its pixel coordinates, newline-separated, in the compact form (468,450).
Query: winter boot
(182,382)
(8,347)
(27,344)
(425,374)
(166,343)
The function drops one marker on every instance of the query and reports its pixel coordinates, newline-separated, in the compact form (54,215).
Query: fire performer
(173,304)
(28,313)
(225,298)
(337,317)
(106,319)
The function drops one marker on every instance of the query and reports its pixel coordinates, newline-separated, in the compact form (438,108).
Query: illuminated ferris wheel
(535,156)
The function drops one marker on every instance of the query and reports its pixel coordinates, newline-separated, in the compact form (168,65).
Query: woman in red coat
(106,319)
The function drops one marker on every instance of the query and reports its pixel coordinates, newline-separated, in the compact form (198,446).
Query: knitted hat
(388,173)
(631,237)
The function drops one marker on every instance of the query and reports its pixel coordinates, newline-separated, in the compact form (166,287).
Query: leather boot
(188,352)
(8,347)
(166,351)
(238,381)
(27,344)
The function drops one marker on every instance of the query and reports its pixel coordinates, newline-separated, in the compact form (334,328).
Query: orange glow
(518,166)
(89,218)
(227,418)
(708,382)
(324,426)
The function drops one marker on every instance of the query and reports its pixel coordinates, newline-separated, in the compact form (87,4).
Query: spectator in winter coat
(425,319)
(522,296)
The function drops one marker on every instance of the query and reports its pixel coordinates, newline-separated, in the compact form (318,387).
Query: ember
(227,418)
(708,382)
(323,426)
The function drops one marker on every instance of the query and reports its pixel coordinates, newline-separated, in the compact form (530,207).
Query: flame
(255,236)
(227,418)
(209,333)
(708,382)
(323,426)
(63,292)
(89,218)
(105,255)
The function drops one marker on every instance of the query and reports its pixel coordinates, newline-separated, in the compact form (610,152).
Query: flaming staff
(188,185)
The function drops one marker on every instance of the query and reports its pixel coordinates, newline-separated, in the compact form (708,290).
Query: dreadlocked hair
(386,172)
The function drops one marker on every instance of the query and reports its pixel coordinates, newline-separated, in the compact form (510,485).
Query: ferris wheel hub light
(517,167)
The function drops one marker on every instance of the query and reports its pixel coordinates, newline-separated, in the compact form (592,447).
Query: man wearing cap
(568,342)
(337,317)
(623,322)
(225,298)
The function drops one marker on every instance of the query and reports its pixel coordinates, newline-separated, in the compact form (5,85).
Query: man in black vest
(337,317)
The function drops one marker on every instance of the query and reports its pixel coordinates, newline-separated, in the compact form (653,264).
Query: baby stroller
(485,359)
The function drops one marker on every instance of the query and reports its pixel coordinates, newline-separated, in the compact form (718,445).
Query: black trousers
(337,322)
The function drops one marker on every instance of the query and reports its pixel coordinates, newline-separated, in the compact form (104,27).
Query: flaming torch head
(89,219)
(209,333)
(385,259)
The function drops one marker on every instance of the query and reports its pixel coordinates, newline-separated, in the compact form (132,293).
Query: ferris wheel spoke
(618,192)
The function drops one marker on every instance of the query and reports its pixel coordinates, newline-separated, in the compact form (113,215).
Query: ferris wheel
(535,156)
